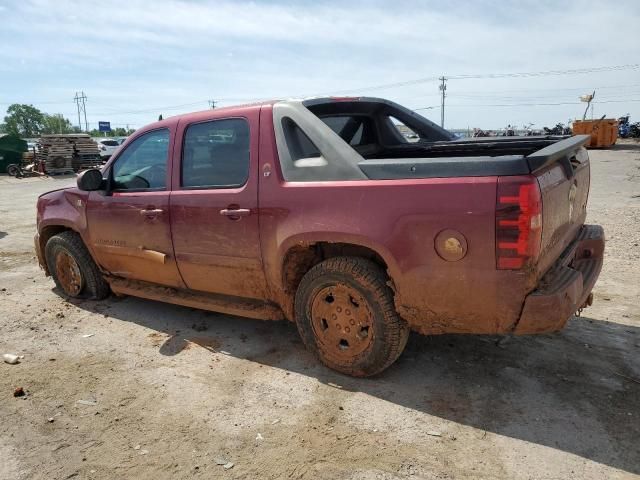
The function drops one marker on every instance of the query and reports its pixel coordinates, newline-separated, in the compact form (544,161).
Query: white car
(107,146)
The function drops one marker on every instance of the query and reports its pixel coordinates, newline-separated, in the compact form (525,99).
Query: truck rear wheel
(345,315)
(73,269)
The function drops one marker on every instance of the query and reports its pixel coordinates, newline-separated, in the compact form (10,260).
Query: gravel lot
(160,391)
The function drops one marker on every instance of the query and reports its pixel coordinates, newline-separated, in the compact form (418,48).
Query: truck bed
(471,158)
(470,147)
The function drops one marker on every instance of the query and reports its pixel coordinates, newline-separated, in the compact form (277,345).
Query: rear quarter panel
(399,219)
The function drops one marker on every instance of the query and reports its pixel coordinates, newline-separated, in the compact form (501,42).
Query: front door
(129,228)
(214,207)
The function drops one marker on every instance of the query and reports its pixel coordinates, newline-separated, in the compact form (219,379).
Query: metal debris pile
(28,158)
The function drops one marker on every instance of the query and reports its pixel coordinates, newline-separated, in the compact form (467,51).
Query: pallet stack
(86,153)
(68,153)
(55,153)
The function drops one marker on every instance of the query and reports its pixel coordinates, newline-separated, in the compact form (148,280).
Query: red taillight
(518,222)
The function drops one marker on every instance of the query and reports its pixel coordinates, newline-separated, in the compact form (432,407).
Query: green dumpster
(11,149)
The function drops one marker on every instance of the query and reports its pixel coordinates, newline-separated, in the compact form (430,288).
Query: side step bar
(242,307)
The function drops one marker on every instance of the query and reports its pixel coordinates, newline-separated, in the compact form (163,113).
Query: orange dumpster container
(604,132)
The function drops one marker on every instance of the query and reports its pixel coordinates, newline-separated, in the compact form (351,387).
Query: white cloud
(131,55)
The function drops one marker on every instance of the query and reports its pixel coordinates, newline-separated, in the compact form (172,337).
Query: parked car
(107,147)
(321,212)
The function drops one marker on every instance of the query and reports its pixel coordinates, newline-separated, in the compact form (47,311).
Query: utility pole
(80,100)
(84,109)
(212,104)
(443,89)
(75,99)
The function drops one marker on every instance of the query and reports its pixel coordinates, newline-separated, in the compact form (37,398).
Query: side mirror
(90,180)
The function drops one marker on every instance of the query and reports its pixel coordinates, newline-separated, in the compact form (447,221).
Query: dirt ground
(130,388)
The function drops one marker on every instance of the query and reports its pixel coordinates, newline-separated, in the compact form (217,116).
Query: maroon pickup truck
(356,218)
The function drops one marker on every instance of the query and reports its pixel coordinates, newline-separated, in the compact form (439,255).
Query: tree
(56,123)
(122,132)
(97,133)
(116,132)
(24,120)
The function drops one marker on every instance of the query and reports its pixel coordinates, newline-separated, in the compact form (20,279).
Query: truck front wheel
(72,267)
(345,315)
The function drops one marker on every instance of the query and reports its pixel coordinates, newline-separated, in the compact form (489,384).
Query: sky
(137,59)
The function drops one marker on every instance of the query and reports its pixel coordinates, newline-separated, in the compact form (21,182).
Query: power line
(574,71)
(153,109)
(176,107)
(566,89)
(543,73)
(548,89)
(80,98)
(459,93)
(542,97)
(527,104)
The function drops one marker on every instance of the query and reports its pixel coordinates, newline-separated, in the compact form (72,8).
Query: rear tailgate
(563,173)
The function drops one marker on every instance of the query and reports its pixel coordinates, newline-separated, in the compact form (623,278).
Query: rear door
(214,206)
(129,229)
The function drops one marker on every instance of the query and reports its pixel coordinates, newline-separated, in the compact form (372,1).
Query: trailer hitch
(587,303)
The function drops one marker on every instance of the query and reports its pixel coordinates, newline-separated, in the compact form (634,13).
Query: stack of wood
(68,153)
(86,153)
(55,152)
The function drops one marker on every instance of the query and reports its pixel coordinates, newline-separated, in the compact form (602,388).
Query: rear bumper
(566,287)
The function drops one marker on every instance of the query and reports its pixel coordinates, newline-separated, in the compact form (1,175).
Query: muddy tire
(345,315)
(73,269)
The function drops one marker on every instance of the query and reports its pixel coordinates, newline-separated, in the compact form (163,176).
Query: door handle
(151,212)
(235,213)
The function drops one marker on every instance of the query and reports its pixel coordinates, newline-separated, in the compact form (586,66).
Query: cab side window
(215,154)
(143,165)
